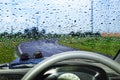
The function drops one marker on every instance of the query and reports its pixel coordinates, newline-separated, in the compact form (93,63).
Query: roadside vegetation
(7,48)
(95,43)
(83,41)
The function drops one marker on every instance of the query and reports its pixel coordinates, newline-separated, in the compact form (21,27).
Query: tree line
(35,33)
(85,34)
(30,33)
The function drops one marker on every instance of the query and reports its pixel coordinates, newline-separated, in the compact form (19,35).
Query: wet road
(47,47)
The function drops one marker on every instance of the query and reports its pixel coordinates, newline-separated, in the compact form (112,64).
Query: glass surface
(90,25)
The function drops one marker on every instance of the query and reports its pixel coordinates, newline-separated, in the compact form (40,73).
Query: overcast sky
(60,16)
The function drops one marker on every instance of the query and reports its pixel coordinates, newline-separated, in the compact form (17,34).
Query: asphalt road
(47,47)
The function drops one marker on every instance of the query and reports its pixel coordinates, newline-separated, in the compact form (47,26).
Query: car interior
(78,65)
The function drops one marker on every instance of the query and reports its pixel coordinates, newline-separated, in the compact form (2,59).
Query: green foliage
(7,48)
(103,45)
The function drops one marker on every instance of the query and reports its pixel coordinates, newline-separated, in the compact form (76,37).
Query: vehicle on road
(59,40)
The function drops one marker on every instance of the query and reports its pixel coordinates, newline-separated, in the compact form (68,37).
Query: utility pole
(92,17)
(107,15)
(37,22)
(11,29)
(37,19)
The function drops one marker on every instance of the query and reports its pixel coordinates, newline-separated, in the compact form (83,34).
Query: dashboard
(66,70)
(69,69)
(74,71)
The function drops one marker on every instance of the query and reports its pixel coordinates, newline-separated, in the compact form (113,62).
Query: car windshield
(53,26)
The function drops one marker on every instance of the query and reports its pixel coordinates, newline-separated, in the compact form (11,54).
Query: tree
(97,34)
(27,32)
(78,34)
(18,34)
(4,34)
(43,31)
(72,33)
(88,33)
(34,32)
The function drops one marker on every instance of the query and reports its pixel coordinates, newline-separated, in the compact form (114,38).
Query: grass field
(103,45)
(7,48)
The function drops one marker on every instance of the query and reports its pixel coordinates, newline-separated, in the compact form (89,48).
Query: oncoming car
(59,40)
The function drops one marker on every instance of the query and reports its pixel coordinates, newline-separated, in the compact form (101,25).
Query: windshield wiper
(21,66)
(4,65)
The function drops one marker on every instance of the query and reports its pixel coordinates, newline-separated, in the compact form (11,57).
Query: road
(47,47)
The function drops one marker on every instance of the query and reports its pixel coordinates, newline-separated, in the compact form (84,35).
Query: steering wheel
(70,55)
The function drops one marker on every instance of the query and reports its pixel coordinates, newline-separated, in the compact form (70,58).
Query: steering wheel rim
(71,55)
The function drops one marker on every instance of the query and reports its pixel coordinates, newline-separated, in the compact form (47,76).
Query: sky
(60,16)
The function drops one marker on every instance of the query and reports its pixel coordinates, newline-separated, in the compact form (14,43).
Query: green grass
(7,48)
(103,45)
